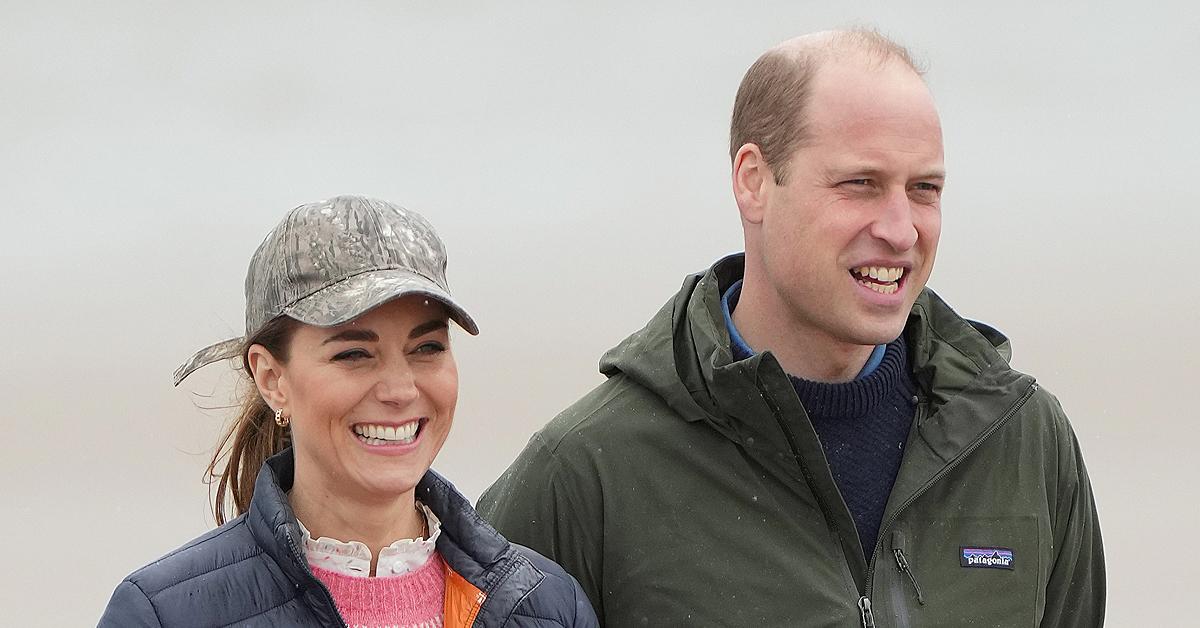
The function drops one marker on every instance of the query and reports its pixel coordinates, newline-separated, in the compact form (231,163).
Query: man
(804,435)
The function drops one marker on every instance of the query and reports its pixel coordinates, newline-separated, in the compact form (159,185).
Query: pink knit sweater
(410,600)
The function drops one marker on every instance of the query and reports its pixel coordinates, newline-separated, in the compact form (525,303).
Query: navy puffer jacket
(252,572)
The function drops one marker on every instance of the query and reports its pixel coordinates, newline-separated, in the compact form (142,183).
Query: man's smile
(881,279)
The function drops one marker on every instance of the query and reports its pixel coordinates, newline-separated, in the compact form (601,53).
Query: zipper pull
(902,564)
(864,607)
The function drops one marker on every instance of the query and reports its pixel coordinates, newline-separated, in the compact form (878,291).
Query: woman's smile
(388,436)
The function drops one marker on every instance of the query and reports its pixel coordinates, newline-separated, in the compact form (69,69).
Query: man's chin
(878,332)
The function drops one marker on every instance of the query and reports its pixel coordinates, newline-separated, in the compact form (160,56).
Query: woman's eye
(432,346)
(352,355)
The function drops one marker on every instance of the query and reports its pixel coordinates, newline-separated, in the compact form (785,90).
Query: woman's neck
(375,523)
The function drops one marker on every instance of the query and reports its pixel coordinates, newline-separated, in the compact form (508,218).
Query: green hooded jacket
(690,489)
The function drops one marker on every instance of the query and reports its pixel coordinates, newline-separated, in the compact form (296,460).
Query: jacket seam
(191,545)
(206,572)
(519,613)
(262,612)
(516,559)
(552,447)
(153,609)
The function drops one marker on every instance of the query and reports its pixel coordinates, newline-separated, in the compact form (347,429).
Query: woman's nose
(397,383)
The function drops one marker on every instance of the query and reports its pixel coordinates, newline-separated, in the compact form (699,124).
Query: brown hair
(769,108)
(253,436)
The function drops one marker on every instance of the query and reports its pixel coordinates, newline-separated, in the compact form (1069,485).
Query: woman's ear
(268,373)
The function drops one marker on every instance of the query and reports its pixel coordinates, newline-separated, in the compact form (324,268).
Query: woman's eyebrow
(353,335)
(425,328)
(366,335)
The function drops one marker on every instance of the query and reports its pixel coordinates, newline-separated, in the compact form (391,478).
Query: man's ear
(752,178)
(268,374)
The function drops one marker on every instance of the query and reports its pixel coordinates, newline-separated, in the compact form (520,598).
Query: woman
(347,345)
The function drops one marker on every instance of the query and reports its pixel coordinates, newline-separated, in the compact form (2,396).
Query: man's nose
(894,222)
(397,383)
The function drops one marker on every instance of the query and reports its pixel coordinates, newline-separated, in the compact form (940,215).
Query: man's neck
(801,351)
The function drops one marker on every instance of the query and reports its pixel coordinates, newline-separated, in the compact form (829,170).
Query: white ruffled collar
(353,558)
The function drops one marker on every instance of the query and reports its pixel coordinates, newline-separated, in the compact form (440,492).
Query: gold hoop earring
(280,420)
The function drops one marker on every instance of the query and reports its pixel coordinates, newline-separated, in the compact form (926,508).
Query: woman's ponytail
(254,436)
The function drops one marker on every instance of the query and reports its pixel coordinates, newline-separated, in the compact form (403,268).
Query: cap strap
(213,353)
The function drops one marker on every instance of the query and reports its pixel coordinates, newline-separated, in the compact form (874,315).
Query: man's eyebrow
(352,335)
(875,171)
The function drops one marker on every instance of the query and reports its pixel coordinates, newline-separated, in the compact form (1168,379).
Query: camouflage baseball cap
(330,261)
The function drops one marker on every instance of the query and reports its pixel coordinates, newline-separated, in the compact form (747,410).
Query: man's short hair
(769,110)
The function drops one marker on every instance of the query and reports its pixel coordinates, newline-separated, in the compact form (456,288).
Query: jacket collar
(477,553)
(968,388)
(683,355)
(478,558)
(271,519)
(273,526)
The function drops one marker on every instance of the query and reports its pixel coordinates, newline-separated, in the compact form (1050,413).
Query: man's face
(848,241)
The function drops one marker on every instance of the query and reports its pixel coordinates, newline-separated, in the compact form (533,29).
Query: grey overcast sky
(574,159)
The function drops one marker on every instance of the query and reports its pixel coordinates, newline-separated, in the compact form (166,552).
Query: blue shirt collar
(741,350)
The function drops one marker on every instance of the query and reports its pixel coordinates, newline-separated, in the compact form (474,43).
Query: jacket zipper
(299,556)
(864,603)
(902,564)
(864,600)
(864,607)
(1008,414)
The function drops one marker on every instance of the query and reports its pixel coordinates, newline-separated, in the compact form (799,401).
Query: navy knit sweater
(862,425)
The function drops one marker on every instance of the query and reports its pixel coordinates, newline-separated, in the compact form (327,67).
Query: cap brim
(213,353)
(352,297)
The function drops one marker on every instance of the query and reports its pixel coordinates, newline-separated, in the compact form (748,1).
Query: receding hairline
(843,45)
(769,110)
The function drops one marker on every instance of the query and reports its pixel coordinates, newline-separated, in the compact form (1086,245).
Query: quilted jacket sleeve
(129,608)
(585,615)
(557,601)
(1075,593)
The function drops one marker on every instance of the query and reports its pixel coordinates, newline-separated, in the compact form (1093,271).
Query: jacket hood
(683,354)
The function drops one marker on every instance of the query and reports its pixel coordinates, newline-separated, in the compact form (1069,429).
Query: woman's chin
(390,485)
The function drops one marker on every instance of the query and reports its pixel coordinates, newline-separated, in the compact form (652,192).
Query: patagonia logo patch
(986,557)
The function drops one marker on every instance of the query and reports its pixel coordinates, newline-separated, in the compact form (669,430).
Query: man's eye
(352,355)
(857,182)
(928,187)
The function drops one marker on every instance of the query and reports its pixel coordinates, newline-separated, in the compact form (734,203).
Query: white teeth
(881,288)
(384,434)
(880,273)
